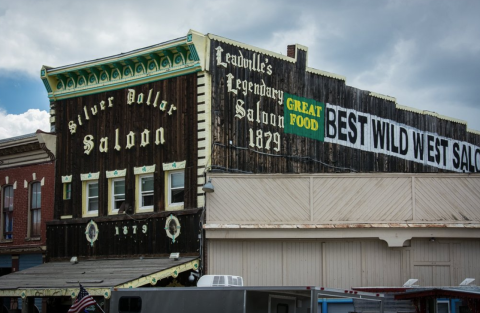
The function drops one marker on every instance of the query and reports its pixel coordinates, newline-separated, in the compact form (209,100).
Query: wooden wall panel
(443,198)
(117,237)
(343,264)
(180,135)
(383,266)
(362,198)
(236,150)
(262,263)
(302,263)
(282,199)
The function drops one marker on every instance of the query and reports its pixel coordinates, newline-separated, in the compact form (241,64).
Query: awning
(446,292)
(61,279)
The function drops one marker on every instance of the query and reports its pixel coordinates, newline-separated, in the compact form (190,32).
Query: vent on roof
(220,281)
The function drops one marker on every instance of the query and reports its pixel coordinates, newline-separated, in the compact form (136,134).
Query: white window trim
(141,208)
(87,212)
(112,194)
(175,205)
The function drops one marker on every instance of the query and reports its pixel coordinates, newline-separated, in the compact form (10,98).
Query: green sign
(304,117)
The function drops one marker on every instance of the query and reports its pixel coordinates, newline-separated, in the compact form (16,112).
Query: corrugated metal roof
(97,276)
(17,138)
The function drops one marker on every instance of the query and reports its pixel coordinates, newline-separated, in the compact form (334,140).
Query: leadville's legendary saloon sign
(331,123)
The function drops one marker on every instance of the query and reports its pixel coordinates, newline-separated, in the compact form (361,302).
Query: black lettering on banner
(394,148)
(387,126)
(403,141)
(430,147)
(437,150)
(378,133)
(342,125)
(444,144)
(331,126)
(464,166)
(471,166)
(352,125)
(418,145)
(477,160)
(363,120)
(456,156)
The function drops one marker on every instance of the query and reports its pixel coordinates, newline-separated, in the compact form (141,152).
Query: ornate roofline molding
(177,57)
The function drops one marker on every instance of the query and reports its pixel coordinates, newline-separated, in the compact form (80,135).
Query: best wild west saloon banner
(331,123)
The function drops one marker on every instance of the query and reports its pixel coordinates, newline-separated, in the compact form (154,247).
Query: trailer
(229,299)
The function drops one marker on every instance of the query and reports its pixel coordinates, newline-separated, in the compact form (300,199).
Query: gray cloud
(425,53)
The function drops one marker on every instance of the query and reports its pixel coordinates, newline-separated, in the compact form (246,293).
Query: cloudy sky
(426,53)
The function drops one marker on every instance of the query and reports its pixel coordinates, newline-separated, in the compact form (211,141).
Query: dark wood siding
(67,238)
(301,154)
(180,133)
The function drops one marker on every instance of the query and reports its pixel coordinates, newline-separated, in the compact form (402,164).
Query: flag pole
(99,306)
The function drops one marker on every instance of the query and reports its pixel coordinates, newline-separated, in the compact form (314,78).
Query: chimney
(291,51)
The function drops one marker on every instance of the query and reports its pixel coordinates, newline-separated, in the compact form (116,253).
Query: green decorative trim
(95,72)
(155,57)
(116,173)
(93,79)
(143,61)
(89,176)
(70,83)
(146,169)
(115,74)
(174,166)
(152,65)
(194,68)
(67,179)
(193,53)
(189,38)
(47,85)
(169,55)
(103,76)
(127,71)
(81,81)
(130,65)
(178,59)
(165,62)
(63,80)
(183,52)
(42,73)
(139,68)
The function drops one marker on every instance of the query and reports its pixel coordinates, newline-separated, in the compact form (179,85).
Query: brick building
(27,189)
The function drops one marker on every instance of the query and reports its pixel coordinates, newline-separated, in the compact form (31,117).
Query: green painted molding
(172,58)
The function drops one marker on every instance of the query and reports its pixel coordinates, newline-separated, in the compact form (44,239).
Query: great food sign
(331,123)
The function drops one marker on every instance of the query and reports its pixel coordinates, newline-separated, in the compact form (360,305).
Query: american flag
(83,300)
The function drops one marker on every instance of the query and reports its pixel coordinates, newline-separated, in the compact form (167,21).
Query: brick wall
(19,175)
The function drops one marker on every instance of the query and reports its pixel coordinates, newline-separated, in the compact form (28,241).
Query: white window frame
(173,205)
(140,206)
(87,198)
(112,195)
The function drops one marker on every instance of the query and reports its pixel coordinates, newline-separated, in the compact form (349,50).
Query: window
(145,192)
(7,210)
(174,190)
(92,197)
(35,209)
(90,193)
(144,184)
(67,191)
(118,194)
(130,304)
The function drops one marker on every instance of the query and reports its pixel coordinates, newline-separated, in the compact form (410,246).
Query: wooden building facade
(317,182)
(27,169)
(140,133)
